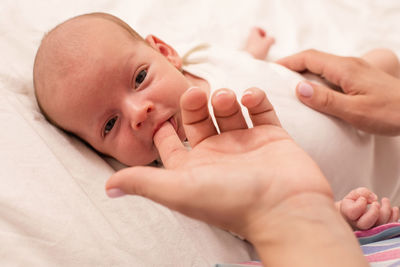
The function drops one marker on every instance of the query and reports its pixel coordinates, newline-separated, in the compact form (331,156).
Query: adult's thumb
(324,99)
(160,185)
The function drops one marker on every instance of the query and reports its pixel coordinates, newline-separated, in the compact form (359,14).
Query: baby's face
(120,94)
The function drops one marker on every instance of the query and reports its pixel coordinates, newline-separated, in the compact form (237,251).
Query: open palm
(240,172)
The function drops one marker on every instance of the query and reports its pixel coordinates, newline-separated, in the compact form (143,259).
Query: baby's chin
(148,160)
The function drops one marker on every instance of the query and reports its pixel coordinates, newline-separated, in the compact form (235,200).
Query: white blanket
(53,209)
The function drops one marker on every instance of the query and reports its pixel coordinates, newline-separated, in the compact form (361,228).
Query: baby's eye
(140,78)
(110,125)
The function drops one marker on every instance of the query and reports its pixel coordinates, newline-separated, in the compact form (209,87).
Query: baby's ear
(165,50)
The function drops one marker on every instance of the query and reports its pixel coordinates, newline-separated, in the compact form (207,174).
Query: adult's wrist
(307,230)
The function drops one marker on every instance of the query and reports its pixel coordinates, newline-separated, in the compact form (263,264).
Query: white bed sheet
(53,209)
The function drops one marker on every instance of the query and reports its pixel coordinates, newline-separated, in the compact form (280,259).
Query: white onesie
(349,158)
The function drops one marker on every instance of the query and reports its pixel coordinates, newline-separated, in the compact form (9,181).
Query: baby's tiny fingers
(352,210)
(384,212)
(369,219)
(260,109)
(395,215)
(362,191)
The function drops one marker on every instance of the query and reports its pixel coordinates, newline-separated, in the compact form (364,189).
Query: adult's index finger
(169,145)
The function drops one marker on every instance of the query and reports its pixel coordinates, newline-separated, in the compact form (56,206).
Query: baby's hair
(112,18)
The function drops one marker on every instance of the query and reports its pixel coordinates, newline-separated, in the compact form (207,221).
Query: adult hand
(255,182)
(197,181)
(370,100)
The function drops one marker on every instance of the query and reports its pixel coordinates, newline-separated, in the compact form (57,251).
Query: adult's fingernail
(222,92)
(115,192)
(248,92)
(305,89)
(192,88)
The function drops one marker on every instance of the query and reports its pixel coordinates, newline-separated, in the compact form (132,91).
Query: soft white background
(53,210)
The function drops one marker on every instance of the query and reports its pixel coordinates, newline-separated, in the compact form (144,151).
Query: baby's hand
(362,210)
(259,43)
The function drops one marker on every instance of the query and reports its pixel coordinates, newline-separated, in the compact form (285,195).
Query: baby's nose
(138,119)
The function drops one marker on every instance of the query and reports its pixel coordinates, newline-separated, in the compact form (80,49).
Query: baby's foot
(259,43)
(362,210)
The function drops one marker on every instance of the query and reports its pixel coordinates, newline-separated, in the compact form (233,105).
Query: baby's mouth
(172,120)
(174,123)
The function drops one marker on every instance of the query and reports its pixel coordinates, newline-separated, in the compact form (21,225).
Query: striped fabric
(243,264)
(383,253)
(380,245)
(378,233)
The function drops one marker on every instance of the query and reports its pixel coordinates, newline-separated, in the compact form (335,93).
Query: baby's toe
(258,32)
(269,40)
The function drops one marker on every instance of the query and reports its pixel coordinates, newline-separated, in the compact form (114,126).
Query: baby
(96,78)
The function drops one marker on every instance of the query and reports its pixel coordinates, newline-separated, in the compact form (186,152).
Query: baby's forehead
(80,40)
(65,55)
(78,33)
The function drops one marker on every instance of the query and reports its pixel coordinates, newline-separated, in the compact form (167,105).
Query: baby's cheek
(132,152)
